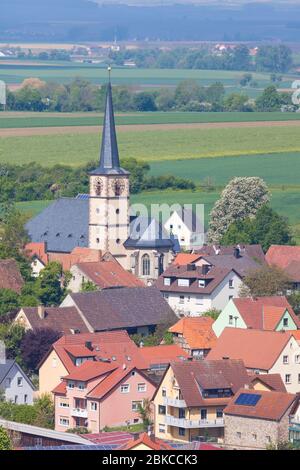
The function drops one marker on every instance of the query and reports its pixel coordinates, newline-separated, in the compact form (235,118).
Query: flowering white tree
(241,198)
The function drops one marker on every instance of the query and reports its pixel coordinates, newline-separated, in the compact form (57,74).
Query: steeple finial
(109,73)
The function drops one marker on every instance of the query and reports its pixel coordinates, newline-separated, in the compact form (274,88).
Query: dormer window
(167,281)
(201,283)
(183,282)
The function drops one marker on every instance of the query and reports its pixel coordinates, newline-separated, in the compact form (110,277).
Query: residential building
(97,394)
(10,276)
(136,309)
(101,220)
(14,383)
(263,352)
(267,382)
(194,335)
(186,227)
(65,320)
(189,402)
(255,419)
(145,441)
(102,274)
(261,313)
(287,258)
(192,290)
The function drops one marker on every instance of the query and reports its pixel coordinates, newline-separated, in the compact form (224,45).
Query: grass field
(66,71)
(27,120)
(151,146)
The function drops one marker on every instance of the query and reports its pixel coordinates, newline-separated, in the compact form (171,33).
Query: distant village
(161,341)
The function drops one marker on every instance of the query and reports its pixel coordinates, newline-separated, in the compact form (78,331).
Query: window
(298,378)
(181,431)
(38,441)
(181,299)
(254,436)
(64,422)
(54,362)
(199,300)
(146,265)
(125,388)
(230,320)
(97,240)
(142,387)
(239,435)
(219,413)
(288,378)
(94,406)
(16,399)
(231,283)
(268,439)
(135,405)
(25,399)
(201,283)
(181,413)
(71,385)
(162,428)
(203,414)
(297,359)
(64,403)
(179,227)
(285,359)
(166,296)
(183,282)
(117,211)
(163,392)
(20,381)
(161,410)
(285,322)
(167,281)
(81,385)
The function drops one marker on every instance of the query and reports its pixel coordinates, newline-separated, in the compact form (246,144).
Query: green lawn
(10,120)
(151,146)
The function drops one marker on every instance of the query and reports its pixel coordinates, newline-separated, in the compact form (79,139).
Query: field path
(34,131)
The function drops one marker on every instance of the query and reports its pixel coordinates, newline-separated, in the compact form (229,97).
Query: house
(102,274)
(145,441)
(287,258)
(189,402)
(194,335)
(252,251)
(255,419)
(192,290)
(187,227)
(65,320)
(260,313)
(267,382)
(70,351)
(14,383)
(101,220)
(263,352)
(100,394)
(136,309)
(10,276)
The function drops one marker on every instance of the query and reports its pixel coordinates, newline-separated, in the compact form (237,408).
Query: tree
(212,313)
(12,335)
(144,101)
(44,407)
(294,301)
(237,102)
(5,442)
(241,198)
(266,228)
(9,303)
(35,344)
(145,413)
(269,100)
(49,287)
(266,281)
(88,286)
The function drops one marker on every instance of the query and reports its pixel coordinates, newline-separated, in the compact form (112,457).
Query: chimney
(191,267)
(41,312)
(246,386)
(205,269)
(88,345)
(236,252)
(2,353)
(124,367)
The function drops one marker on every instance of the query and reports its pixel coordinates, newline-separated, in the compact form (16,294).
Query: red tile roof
(282,255)
(90,370)
(197,331)
(273,381)
(109,438)
(162,354)
(186,258)
(257,348)
(262,312)
(10,276)
(271,405)
(109,274)
(37,249)
(150,441)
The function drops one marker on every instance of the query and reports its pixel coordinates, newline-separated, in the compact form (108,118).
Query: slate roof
(192,377)
(61,319)
(271,405)
(10,276)
(5,368)
(254,251)
(63,225)
(121,308)
(258,349)
(147,233)
(242,265)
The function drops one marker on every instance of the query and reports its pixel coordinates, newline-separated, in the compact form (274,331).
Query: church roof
(147,233)
(109,156)
(63,225)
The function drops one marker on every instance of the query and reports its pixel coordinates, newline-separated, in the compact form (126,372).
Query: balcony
(79,412)
(194,424)
(176,403)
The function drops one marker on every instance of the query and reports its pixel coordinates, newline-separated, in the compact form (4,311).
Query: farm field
(152,146)
(9,120)
(64,72)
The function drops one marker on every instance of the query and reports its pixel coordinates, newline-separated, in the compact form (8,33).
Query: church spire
(109,155)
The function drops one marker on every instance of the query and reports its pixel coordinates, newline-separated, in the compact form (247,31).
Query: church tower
(109,192)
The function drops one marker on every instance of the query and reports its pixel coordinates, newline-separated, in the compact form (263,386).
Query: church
(101,220)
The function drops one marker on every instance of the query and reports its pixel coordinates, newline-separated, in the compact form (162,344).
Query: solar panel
(247,399)
(82,196)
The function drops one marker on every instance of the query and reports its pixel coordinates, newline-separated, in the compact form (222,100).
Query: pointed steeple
(109,156)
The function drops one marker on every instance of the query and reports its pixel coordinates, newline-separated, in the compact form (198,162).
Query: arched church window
(161,264)
(146,265)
